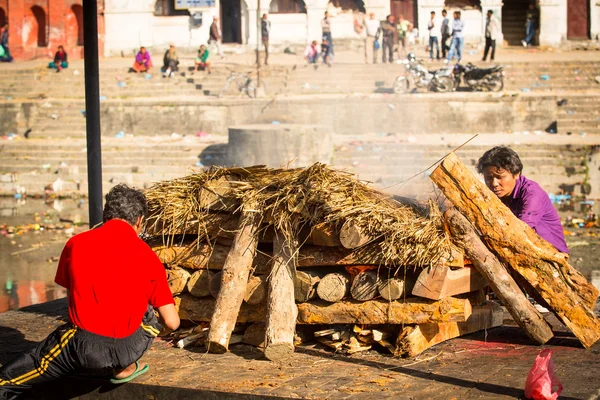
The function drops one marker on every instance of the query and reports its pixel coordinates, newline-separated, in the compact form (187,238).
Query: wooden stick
(413,340)
(364,285)
(567,292)
(437,282)
(256,290)
(391,289)
(333,287)
(352,237)
(198,284)
(235,277)
(505,287)
(414,311)
(177,279)
(281,309)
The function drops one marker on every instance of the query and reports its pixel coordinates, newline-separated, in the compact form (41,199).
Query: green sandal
(135,374)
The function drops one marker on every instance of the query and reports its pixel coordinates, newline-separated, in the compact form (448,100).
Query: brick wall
(38,27)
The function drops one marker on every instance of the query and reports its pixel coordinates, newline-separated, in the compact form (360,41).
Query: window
(166,8)
(354,5)
(287,7)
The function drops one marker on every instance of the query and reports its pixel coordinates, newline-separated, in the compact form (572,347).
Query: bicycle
(243,82)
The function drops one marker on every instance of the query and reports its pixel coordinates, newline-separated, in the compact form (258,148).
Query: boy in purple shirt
(501,168)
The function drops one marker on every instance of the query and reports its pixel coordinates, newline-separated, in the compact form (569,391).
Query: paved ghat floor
(472,367)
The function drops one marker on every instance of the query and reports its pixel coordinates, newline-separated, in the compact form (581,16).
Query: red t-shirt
(112,276)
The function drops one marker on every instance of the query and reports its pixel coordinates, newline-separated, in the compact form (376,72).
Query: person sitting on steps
(143,62)
(170,62)
(60,60)
(201,62)
(114,283)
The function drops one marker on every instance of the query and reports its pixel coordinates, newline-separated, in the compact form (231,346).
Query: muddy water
(28,255)
(33,235)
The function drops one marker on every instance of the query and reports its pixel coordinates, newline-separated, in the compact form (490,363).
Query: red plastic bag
(541,383)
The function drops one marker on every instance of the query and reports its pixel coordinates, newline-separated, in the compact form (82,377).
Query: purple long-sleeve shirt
(143,58)
(531,204)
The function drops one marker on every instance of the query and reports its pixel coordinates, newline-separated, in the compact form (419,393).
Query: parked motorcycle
(416,76)
(490,79)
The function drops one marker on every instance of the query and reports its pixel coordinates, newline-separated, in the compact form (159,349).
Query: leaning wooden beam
(281,308)
(502,283)
(413,311)
(235,277)
(413,340)
(437,282)
(567,292)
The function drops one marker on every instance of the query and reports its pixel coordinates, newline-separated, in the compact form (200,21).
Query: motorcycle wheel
(496,84)
(401,85)
(444,84)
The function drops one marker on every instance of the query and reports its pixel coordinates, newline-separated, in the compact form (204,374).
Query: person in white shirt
(373,28)
(492,31)
(311,53)
(433,26)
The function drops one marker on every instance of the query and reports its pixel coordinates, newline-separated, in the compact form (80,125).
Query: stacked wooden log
(235,257)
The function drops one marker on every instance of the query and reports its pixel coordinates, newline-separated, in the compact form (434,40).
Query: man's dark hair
(433,12)
(444,11)
(500,157)
(490,12)
(123,202)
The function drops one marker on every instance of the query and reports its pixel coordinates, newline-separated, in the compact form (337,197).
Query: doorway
(231,21)
(40,29)
(406,8)
(578,19)
(3,19)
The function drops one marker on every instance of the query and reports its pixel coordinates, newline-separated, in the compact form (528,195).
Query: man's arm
(168,317)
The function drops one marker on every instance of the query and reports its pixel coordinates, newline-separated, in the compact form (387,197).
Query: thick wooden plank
(548,272)
(414,311)
(437,282)
(281,308)
(233,284)
(502,283)
(413,340)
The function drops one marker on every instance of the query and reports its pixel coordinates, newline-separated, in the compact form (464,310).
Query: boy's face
(500,181)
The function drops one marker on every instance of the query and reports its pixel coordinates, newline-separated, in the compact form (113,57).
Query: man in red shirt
(114,282)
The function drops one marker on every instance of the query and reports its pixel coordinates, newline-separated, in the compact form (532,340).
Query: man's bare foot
(124,373)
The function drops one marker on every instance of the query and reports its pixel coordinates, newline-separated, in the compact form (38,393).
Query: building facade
(38,27)
(157,23)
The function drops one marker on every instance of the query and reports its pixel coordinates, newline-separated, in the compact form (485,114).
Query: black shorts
(70,350)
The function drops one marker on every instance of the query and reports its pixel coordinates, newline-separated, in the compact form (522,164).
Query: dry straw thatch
(293,199)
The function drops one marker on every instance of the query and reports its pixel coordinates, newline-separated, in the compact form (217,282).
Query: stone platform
(485,365)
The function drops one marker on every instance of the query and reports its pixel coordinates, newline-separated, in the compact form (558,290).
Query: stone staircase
(30,166)
(115,83)
(580,116)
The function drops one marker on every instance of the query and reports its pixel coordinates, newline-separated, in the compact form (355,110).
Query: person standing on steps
(491,34)
(265,30)
(373,28)
(114,283)
(434,29)
(445,31)
(388,29)
(531,24)
(326,28)
(458,39)
(404,27)
(215,37)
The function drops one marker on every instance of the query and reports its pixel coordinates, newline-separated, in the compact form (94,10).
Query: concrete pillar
(595,19)
(315,12)
(496,7)
(424,9)
(553,22)
(278,145)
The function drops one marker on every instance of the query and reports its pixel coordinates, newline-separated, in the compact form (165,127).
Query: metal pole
(92,107)
(258,33)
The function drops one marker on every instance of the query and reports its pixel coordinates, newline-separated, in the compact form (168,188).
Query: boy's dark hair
(123,202)
(500,157)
